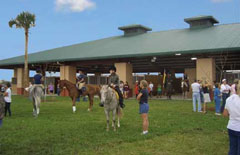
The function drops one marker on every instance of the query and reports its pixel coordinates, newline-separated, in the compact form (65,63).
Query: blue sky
(65,22)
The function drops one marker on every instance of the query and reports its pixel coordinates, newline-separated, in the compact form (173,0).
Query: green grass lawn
(174,129)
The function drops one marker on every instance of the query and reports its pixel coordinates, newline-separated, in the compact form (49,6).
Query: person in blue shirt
(38,77)
(217,99)
(143,105)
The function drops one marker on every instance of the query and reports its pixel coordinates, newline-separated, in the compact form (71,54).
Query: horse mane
(68,82)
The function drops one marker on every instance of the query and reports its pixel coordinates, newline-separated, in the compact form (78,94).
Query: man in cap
(225,90)
(114,83)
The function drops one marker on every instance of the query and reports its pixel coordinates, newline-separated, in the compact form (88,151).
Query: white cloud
(74,5)
(220,1)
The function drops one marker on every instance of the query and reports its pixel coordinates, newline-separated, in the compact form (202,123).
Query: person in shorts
(159,90)
(143,105)
(206,96)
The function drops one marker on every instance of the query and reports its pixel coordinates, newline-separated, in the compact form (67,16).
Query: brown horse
(91,90)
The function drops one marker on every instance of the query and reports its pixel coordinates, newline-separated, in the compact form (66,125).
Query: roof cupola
(201,21)
(135,29)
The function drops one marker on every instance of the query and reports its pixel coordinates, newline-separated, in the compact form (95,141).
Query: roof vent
(134,29)
(201,21)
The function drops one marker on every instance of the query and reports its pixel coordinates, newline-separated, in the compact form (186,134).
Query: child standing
(206,96)
(143,105)
(151,89)
(136,88)
(217,99)
(159,90)
(8,99)
(126,90)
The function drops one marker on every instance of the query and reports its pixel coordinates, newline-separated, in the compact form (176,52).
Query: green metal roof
(211,39)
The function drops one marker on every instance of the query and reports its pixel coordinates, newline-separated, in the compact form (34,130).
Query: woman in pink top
(234,87)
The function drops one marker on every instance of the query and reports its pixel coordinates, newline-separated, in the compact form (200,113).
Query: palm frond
(12,22)
(23,20)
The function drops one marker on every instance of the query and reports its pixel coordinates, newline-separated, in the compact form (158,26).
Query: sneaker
(218,114)
(122,105)
(144,133)
(200,111)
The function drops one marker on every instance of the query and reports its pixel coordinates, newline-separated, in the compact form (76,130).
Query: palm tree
(24,20)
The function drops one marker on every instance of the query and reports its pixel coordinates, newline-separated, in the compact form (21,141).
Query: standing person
(232,110)
(234,86)
(206,96)
(151,88)
(121,85)
(185,89)
(225,90)
(217,99)
(50,88)
(2,102)
(196,96)
(114,83)
(201,92)
(182,87)
(169,88)
(58,89)
(136,89)
(159,90)
(143,105)
(8,99)
(126,90)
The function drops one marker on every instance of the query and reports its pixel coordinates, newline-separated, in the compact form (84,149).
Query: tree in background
(24,20)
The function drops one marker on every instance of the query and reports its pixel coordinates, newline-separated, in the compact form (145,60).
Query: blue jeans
(196,97)
(7,108)
(1,122)
(224,98)
(234,142)
(217,105)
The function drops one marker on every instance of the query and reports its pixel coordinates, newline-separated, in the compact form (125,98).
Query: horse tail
(119,112)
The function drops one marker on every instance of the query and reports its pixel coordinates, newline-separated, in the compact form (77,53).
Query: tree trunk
(26,72)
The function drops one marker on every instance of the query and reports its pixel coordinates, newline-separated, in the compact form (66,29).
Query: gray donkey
(110,101)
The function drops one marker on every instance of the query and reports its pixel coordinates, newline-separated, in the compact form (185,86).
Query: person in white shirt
(196,96)
(225,90)
(8,99)
(151,89)
(232,109)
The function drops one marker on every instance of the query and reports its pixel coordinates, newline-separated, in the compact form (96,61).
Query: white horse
(110,100)
(36,93)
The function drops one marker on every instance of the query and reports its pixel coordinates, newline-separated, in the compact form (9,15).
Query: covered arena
(202,51)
